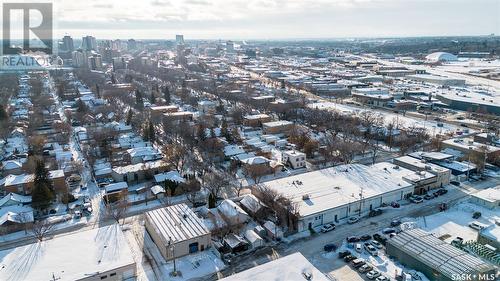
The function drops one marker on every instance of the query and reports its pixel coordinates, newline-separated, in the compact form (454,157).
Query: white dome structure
(441,57)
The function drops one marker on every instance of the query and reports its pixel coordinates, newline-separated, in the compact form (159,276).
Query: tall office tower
(68,45)
(79,59)
(89,43)
(179,39)
(131,44)
(230,46)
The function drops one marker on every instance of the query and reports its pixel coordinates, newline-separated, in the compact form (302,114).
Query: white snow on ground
(405,121)
(455,221)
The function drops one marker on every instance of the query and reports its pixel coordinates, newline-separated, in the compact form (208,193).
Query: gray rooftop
(177,222)
(438,254)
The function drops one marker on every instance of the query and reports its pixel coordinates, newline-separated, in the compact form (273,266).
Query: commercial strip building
(177,231)
(292,267)
(435,258)
(336,193)
(421,166)
(488,198)
(97,254)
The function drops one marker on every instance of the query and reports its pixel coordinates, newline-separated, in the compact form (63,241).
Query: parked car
(349,258)
(395,222)
(352,239)
(344,254)
(358,263)
(428,197)
(380,238)
(327,227)
(457,241)
(375,212)
(382,278)
(476,215)
(330,247)
(455,183)
(388,230)
(370,249)
(358,247)
(352,220)
(365,268)
(416,199)
(373,274)
(476,225)
(395,204)
(442,191)
(376,244)
(365,237)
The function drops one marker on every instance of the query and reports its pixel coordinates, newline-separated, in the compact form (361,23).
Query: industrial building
(442,175)
(336,193)
(97,254)
(488,198)
(291,267)
(177,231)
(490,236)
(435,258)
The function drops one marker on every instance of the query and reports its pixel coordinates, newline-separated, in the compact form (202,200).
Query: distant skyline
(275,19)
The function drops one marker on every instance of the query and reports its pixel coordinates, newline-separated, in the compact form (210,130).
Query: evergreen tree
(130,114)
(43,191)
(170,185)
(98,91)
(224,131)
(166,95)
(152,98)
(81,106)
(138,98)
(113,79)
(211,201)
(151,131)
(3,113)
(201,133)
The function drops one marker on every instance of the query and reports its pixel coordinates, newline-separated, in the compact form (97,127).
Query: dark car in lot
(395,222)
(395,204)
(455,183)
(428,197)
(349,258)
(330,247)
(442,191)
(343,254)
(352,239)
(374,213)
(365,237)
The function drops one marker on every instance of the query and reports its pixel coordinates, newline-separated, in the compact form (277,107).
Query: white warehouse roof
(337,186)
(441,56)
(177,222)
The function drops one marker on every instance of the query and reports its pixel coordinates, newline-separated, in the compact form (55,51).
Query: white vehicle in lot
(352,220)
(327,227)
(373,274)
(358,248)
(382,278)
(370,249)
(477,225)
(376,244)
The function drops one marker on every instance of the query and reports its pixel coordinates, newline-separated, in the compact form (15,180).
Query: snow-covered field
(404,121)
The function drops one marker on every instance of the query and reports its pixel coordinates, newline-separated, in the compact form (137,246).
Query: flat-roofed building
(488,198)
(177,231)
(256,120)
(91,255)
(178,116)
(336,193)
(437,259)
(292,267)
(277,127)
(420,165)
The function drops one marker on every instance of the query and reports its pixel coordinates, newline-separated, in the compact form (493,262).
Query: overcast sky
(275,19)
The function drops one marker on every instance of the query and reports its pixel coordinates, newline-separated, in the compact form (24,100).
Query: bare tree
(41,229)
(117,210)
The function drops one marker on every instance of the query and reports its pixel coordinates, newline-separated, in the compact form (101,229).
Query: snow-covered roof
(256,160)
(14,198)
(69,257)
(251,203)
(441,56)
(176,222)
(231,150)
(291,267)
(232,211)
(116,186)
(156,189)
(16,217)
(171,176)
(489,194)
(11,165)
(329,188)
(143,151)
(139,167)
(252,237)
